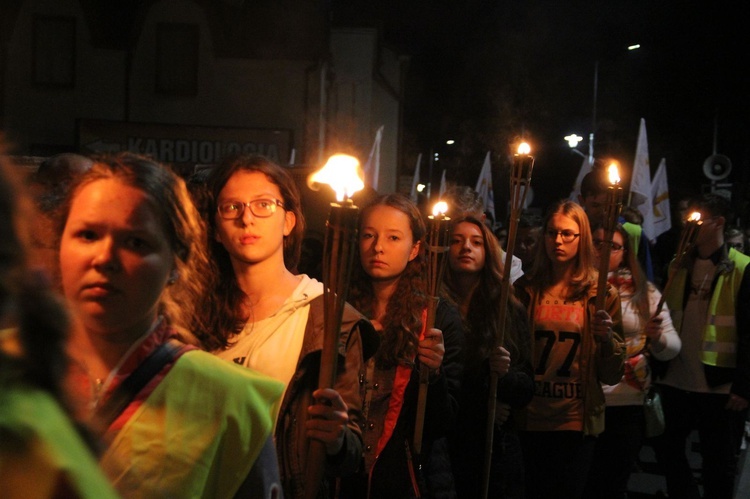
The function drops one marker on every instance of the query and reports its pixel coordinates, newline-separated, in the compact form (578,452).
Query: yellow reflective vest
(197,434)
(720,331)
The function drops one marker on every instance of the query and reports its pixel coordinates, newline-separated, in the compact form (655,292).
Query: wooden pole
(341,236)
(436,253)
(520,181)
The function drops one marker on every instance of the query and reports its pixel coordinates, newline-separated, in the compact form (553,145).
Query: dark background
(488,73)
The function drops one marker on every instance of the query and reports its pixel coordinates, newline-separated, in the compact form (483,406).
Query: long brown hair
(483,314)
(403,316)
(224,307)
(584,273)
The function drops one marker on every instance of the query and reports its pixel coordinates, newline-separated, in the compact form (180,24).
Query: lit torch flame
(342,173)
(614,174)
(524,148)
(440,208)
(694,217)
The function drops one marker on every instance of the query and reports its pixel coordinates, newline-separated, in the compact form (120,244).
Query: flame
(694,217)
(440,208)
(524,148)
(342,173)
(614,174)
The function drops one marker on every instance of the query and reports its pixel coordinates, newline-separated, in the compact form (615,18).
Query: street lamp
(570,138)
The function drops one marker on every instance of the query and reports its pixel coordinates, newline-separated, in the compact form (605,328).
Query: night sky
(487,73)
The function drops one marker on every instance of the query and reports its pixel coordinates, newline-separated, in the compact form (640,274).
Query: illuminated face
(115,259)
(560,229)
(250,239)
(616,251)
(386,243)
(466,252)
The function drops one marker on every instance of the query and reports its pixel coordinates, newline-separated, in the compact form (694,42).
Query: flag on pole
(442,186)
(415,180)
(640,183)
(372,167)
(484,187)
(662,220)
(586,167)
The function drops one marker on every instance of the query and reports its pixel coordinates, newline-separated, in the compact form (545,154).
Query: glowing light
(635,46)
(450,142)
(524,148)
(440,208)
(614,174)
(420,187)
(573,140)
(342,173)
(694,217)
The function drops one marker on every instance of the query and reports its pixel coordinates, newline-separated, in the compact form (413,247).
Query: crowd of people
(162,337)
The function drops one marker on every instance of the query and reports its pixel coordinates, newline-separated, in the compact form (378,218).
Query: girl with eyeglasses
(574,348)
(176,421)
(474,280)
(646,334)
(268,318)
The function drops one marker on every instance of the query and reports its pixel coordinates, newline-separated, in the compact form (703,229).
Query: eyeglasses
(261,208)
(599,243)
(567,236)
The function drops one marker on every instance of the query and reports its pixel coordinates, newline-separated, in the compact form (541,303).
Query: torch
(687,241)
(611,214)
(520,181)
(341,172)
(437,250)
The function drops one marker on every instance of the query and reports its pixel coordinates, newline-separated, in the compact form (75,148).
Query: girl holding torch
(473,279)
(648,332)
(269,319)
(574,348)
(389,286)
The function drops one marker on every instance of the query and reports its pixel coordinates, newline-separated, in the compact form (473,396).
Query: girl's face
(250,238)
(386,243)
(115,259)
(558,228)
(466,253)
(616,251)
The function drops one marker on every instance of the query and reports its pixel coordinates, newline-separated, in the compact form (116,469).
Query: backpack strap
(121,397)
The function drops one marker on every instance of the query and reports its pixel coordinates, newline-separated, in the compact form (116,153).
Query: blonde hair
(584,272)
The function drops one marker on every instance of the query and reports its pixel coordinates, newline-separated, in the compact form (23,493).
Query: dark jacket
(468,437)
(388,473)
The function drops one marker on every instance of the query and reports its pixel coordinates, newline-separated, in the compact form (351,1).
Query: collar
(720,258)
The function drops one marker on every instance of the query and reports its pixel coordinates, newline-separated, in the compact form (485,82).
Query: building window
(177,59)
(54,51)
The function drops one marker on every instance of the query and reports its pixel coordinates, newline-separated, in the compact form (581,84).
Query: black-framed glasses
(261,208)
(599,243)
(567,236)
